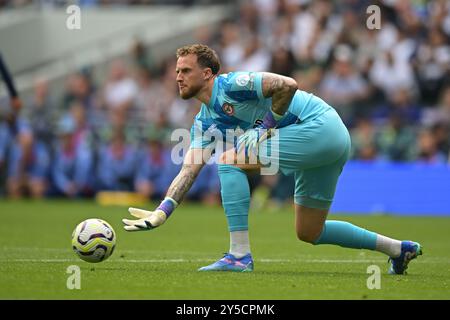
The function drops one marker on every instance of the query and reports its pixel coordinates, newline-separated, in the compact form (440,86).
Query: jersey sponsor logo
(257,123)
(228,109)
(242,80)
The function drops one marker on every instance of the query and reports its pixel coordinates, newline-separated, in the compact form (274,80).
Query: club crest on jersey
(228,108)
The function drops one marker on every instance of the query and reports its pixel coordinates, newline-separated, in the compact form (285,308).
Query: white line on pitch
(200,260)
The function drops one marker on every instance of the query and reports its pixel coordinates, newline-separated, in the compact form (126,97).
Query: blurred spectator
(143,98)
(155,170)
(282,62)
(117,122)
(256,57)
(427,149)
(117,162)
(433,65)
(349,31)
(5,139)
(402,104)
(363,137)
(395,139)
(343,87)
(440,113)
(205,35)
(389,74)
(141,56)
(441,134)
(73,162)
(79,88)
(267,11)
(182,112)
(325,36)
(162,127)
(309,79)
(249,19)
(439,15)
(280,34)
(304,24)
(120,89)
(42,113)
(152,99)
(231,49)
(28,167)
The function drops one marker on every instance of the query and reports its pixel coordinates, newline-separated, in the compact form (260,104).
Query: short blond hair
(206,57)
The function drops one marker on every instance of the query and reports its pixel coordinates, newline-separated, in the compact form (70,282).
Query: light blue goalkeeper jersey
(237,101)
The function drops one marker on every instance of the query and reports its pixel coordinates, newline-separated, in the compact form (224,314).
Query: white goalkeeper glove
(149,220)
(251,139)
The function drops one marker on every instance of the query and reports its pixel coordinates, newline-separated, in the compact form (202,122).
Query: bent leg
(311,227)
(309,222)
(235,193)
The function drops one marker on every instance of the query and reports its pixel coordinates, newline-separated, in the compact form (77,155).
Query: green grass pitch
(35,252)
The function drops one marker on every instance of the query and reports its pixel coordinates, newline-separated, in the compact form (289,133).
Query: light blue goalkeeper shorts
(315,151)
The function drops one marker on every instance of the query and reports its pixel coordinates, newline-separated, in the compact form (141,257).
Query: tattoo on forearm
(182,183)
(281,89)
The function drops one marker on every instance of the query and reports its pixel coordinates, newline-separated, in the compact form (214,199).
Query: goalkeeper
(311,142)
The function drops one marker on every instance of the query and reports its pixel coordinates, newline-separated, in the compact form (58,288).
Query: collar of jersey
(214,93)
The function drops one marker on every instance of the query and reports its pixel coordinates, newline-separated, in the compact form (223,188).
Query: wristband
(276,116)
(271,119)
(167,206)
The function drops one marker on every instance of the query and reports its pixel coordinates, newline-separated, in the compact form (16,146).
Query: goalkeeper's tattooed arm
(183,182)
(281,89)
(193,162)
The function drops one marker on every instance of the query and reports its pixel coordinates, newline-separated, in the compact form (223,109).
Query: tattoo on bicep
(271,84)
(280,89)
(182,183)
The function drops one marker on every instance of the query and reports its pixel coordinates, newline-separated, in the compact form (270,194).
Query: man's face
(190,76)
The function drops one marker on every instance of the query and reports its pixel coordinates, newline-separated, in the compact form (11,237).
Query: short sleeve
(245,84)
(201,138)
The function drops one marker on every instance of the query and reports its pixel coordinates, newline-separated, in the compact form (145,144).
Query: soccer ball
(93,240)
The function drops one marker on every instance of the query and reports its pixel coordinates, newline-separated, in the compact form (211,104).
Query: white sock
(239,243)
(391,247)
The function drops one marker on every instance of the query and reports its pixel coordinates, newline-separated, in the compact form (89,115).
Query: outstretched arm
(192,165)
(281,89)
(193,162)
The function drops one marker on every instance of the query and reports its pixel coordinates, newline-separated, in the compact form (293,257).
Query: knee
(227,157)
(309,236)
(222,159)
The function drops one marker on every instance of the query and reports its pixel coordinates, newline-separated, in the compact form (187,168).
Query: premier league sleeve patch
(242,80)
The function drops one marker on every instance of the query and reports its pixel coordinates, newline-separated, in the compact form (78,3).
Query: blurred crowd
(96,3)
(391,87)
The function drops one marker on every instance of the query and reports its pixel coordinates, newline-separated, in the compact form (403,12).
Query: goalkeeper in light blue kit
(300,133)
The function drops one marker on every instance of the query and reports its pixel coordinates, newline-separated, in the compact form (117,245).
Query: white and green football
(94,240)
